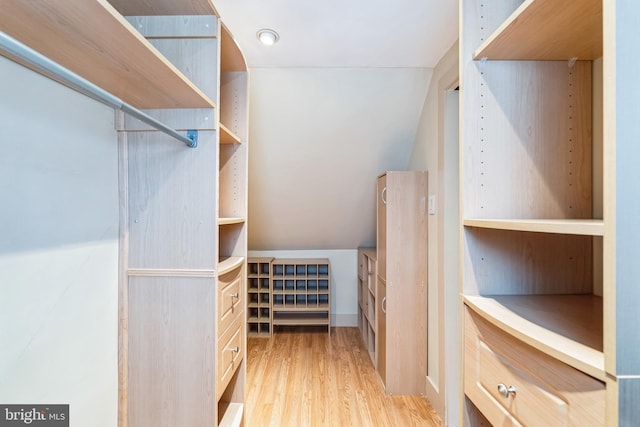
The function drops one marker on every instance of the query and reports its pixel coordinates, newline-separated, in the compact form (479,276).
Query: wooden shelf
(228,264)
(588,227)
(545,30)
(230,221)
(91,39)
(294,308)
(566,327)
(301,318)
(231,57)
(228,137)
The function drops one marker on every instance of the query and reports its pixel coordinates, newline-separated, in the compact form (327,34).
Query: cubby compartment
(367,299)
(261,293)
(299,293)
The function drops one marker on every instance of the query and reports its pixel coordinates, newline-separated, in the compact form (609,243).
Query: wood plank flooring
(302,377)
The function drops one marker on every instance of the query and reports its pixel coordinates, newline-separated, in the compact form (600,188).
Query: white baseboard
(344,320)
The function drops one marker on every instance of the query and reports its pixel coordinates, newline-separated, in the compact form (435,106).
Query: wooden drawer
(548,392)
(230,297)
(230,354)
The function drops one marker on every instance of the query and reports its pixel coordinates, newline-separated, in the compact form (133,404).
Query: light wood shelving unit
(367,322)
(259,322)
(538,264)
(301,292)
(183,211)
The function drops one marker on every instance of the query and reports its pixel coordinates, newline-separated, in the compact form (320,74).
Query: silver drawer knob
(235,349)
(506,391)
(234,295)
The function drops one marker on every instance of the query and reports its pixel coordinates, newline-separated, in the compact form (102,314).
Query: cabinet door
(382,227)
(381,315)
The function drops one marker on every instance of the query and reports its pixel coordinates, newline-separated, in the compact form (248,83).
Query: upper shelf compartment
(540,30)
(91,39)
(231,56)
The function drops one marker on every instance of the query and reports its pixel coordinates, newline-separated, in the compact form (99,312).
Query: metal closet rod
(29,57)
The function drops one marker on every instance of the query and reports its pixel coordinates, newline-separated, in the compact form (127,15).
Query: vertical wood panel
(172,202)
(171,351)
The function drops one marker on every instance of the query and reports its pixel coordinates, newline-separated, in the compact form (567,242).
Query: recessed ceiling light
(267,37)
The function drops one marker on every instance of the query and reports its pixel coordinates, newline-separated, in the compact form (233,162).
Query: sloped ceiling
(335,103)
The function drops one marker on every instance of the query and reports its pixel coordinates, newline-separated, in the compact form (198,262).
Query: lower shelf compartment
(301,318)
(566,327)
(230,414)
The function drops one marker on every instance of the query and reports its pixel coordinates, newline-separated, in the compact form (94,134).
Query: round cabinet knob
(234,295)
(235,349)
(506,391)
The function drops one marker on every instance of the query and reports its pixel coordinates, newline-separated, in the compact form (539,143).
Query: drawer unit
(230,353)
(230,297)
(513,384)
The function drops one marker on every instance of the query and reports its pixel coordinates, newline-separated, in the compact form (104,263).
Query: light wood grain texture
(301,291)
(161,272)
(567,327)
(381,311)
(228,137)
(304,377)
(232,415)
(381,229)
(233,240)
(511,262)
(164,7)
(123,280)
(195,58)
(367,311)
(548,392)
(231,56)
(171,351)
(172,192)
(593,227)
(169,26)
(539,29)
(229,221)
(260,316)
(233,173)
(93,40)
(230,352)
(405,255)
(230,297)
(527,147)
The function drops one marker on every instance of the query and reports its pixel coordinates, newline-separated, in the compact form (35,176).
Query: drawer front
(230,354)
(547,391)
(230,298)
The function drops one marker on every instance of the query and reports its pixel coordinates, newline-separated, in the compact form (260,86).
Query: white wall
(58,248)
(319,137)
(443,286)
(344,276)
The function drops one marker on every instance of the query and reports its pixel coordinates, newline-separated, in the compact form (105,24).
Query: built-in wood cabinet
(183,211)
(367,305)
(401,285)
(539,256)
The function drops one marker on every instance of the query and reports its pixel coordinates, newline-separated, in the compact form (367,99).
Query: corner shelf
(230,221)
(227,264)
(93,40)
(543,30)
(566,327)
(228,137)
(587,227)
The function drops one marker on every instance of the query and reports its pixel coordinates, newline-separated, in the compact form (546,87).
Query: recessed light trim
(267,37)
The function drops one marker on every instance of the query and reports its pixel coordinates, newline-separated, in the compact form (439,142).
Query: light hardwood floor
(302,377)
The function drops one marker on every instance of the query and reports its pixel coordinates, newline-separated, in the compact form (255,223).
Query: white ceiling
(343,33)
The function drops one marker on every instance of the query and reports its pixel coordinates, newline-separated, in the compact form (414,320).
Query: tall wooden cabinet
(401,294)
(540,284)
